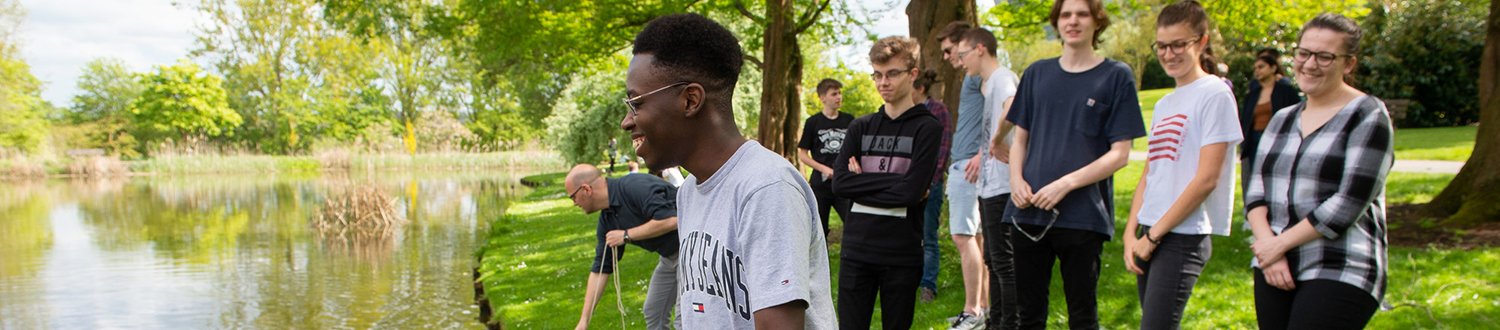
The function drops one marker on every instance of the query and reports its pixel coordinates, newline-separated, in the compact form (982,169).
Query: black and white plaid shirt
(1335,179)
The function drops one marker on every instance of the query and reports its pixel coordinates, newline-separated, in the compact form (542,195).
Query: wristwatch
(627,235)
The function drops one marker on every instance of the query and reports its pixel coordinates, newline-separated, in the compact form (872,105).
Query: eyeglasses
(1037,237)
(1175,47)
(575,192)
(1301,55)
(965,53)
(632,104)
(893,73)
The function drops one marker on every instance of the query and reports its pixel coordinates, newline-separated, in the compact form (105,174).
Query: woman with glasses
(1185,192)
(1316,202)
(1268,94)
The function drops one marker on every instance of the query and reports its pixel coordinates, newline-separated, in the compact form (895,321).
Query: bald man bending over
(640,209)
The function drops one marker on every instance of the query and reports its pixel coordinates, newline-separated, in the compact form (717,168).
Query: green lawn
(537,257)
(1438,143)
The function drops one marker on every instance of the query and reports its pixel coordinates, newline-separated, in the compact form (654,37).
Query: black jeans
(1078,251)
(823,192)
(1169,277)
(861,282)
(1315,304)
(999,257)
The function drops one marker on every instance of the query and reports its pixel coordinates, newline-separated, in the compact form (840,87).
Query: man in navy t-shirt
(1075,117)
(639,209)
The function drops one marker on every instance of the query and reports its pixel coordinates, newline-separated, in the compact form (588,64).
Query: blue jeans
(930,253)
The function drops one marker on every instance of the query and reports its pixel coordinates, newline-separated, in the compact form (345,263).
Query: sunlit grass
(554,241)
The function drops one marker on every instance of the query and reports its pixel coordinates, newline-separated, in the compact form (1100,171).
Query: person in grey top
(752,253)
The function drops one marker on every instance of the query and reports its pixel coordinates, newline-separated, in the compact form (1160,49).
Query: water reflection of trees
(25,238)
(270,267)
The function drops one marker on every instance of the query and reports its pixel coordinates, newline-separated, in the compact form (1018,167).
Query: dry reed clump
(97,167)
(23,169)
(359,213)
(334,160)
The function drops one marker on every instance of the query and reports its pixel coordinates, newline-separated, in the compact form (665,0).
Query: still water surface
(240,252)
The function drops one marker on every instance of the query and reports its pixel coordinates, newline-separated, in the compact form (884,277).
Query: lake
(191,252)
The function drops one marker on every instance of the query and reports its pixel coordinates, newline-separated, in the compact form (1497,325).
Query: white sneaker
(968,321)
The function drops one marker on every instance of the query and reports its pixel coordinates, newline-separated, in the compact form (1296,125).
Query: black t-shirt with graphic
(824,138)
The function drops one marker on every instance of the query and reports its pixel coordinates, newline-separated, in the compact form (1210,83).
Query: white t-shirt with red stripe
(1199,114)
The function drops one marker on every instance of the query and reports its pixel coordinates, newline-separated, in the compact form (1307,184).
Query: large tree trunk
(926,18)
(1474,195)
(781,84)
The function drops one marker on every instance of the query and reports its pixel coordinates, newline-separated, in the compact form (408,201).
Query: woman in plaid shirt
(1316,201)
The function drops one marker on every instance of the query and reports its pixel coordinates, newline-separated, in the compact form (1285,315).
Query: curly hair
(695,48)
(896,48)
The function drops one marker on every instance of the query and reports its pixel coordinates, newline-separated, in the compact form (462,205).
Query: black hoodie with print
(897,158)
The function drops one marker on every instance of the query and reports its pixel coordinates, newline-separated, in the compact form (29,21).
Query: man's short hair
(953,31)
(896,48)
(828,84)
(694,48)
(981,36)
(1096,8)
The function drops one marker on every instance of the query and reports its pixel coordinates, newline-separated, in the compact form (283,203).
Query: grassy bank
(536,261)
(266,164)
(1437,143)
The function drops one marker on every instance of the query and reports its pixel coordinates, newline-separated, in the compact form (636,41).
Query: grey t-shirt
(750,239)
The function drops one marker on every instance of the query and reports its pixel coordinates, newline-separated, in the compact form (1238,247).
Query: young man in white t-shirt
(752,253)
(1186,190)
(978,50)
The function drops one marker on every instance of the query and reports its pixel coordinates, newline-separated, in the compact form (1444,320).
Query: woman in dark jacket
(1269,93)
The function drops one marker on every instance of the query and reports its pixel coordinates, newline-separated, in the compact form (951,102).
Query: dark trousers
(1169,277)
(1315,304)
(1078,254)
(999,257)
(930,253)
(823,192)
(861,282)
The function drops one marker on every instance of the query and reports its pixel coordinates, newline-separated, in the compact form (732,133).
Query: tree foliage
(182,101)
(588,114)
(22,112)
(1425,51)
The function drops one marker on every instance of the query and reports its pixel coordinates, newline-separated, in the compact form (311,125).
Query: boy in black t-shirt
(822,138)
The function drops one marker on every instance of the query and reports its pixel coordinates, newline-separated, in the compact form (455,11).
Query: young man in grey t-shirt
(752,252)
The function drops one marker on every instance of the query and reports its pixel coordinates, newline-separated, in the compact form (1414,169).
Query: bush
(588,116)
(1425,51)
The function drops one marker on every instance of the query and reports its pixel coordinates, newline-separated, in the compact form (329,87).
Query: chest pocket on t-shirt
(1089,119)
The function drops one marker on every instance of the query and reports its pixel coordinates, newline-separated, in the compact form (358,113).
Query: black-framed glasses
(1175,47)
(893,73)
(575,193)
(1037,237)
(1301,55)
(632,102)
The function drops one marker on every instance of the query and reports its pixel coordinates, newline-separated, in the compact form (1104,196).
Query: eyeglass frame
(1175,47)
(961,55)
(889,74)
(630,101)
(1035,238)
(1317,57)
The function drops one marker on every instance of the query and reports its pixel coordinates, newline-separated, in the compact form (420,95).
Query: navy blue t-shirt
(1071,119)
(634,199)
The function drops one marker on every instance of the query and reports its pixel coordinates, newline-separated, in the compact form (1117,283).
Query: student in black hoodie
(885,168)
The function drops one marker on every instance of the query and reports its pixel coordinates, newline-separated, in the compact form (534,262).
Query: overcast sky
(60,36)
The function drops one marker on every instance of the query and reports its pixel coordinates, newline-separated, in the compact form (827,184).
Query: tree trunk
(926,18)
(781,72)
(1473,196)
